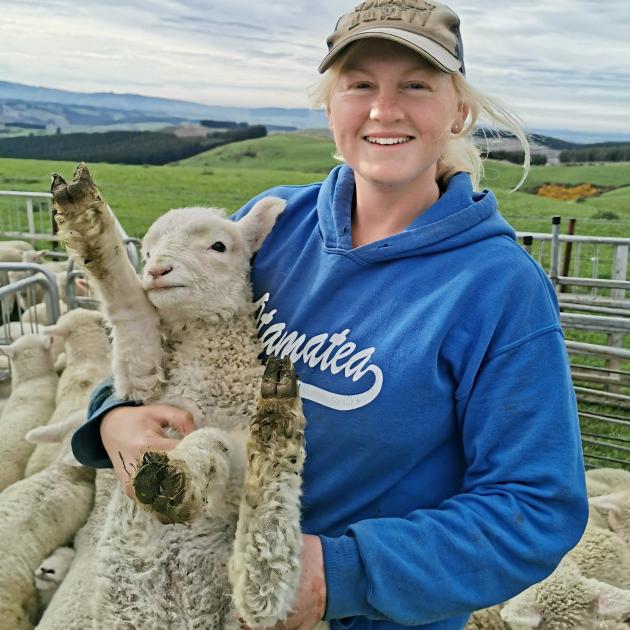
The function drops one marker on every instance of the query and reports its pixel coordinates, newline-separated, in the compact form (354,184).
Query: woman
(444,468)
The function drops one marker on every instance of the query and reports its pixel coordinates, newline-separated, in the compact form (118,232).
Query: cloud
(566,61)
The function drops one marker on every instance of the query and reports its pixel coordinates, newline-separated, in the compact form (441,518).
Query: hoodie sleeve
(87,445)
(522,504)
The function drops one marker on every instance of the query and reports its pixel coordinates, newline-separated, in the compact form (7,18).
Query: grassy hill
(286,152)
(228,176)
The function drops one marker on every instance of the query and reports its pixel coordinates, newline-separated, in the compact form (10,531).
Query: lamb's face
(196,265)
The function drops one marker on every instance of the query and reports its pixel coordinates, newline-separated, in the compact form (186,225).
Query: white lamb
(567,600)
(32,400)
(616,510)
(37,515)
(601,481)
(88,363)
(186,336)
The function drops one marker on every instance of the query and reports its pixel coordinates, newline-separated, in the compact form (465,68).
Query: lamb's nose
(158,272)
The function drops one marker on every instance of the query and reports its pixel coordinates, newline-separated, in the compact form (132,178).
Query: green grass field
(230,175)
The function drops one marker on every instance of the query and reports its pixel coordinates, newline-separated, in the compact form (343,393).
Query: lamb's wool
(601,481)
(32,400)
(87,360)
(209,364)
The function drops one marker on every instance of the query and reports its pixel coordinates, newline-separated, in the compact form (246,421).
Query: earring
(455,129)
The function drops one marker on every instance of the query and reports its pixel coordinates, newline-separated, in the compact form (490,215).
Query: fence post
(527,243)
(555,248)
(619,272)
(30,217)
(566,262)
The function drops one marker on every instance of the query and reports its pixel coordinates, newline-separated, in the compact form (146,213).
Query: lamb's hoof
(81,187)
(279,379)
(161,485)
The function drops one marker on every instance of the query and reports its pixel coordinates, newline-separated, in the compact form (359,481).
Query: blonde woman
(444,469)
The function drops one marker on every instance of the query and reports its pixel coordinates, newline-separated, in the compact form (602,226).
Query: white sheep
(87,359)
(567,600)
(32,400)
(616,510)
(70,608)
(37,515)
(186,336)
(601,481)
(51,572)
(17,244)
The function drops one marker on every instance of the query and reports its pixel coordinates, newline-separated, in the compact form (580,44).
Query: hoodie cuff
(346,583)
(87,445)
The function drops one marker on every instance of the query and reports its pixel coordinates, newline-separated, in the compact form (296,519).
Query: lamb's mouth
(166,287)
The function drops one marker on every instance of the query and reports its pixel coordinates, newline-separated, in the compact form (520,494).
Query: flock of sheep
(76,553)
(590,590)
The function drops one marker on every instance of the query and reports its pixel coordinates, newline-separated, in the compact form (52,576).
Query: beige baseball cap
(429,28)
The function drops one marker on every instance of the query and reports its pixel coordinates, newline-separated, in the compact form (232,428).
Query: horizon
(241,55)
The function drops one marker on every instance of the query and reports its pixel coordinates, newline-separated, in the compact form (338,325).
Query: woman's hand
(128,432)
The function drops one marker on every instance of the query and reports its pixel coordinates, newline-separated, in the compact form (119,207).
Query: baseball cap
(429,28)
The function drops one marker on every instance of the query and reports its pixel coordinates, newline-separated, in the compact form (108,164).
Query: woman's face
(391,114)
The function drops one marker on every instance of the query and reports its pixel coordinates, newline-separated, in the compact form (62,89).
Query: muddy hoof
(162,486)
(279,379)
(82,185)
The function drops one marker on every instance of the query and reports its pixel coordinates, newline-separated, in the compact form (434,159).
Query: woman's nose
(386,108)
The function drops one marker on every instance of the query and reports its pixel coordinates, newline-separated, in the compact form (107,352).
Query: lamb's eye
(148,255)
(218,246)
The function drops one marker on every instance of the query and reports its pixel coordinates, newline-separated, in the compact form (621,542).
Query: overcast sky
(561,64)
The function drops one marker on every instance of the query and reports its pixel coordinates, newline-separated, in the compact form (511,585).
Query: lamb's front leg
(202,473)
(265,565)
(88,229)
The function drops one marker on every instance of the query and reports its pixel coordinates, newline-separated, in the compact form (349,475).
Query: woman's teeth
(400,140)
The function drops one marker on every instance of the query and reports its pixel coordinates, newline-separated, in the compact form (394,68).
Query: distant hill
(32,98)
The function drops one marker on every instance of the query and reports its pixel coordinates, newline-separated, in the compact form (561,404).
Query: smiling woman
(443,470)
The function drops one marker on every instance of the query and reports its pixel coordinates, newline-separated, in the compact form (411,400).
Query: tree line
(597,153)
(121,147)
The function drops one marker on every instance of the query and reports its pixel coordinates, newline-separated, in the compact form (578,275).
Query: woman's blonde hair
(461,153)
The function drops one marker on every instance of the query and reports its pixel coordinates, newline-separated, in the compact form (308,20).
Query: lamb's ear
(8,350)
(259,221)
(613,504)
(522,611)
(56,331)
(611,602)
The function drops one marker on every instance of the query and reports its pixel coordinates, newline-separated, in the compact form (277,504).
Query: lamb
(602,555)
(37,515)
(17,244)
(32,400)
(186,336)
(567,600)
(87,358)
(69,608)
(616,508)
(601,481)
(51,573)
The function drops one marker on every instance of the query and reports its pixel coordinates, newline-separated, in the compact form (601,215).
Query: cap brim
(424,46)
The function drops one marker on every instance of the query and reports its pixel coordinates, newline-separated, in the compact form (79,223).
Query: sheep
(567,600)
(87,358)
(37,515)
(603,555)
(51,573)
(32,400)
(616,508)
(486,619)
(601,481)
(17,244)
(194,346)
(69,608)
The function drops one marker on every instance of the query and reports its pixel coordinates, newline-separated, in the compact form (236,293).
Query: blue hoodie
(444,469)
